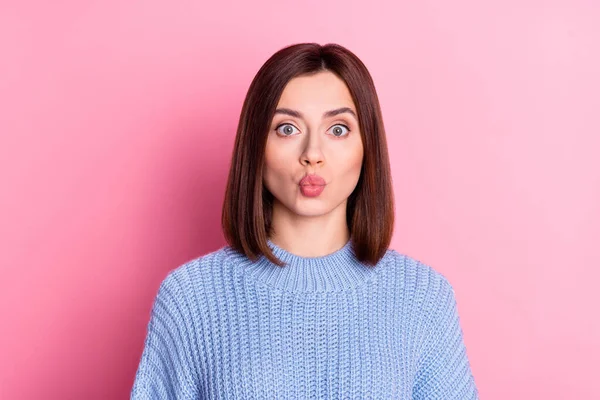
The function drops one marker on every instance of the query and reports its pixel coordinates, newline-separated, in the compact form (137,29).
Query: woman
(306,301)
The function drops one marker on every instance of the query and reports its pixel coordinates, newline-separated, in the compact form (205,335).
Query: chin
(311,210)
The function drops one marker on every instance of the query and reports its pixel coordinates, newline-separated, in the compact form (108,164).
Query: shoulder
(184,278)
(197,274)
(422,283)
(418,271)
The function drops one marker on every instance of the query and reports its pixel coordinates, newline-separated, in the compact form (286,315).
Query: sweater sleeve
(445,371)
(166,368)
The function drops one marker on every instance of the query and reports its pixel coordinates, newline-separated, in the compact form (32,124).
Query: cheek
(278,157)
(276,165)
(358,156)
(354,159)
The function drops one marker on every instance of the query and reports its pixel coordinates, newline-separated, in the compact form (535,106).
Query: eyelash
(336,137)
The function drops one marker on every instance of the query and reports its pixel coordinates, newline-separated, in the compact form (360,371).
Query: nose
(308,161)
(312,157)
(312,154)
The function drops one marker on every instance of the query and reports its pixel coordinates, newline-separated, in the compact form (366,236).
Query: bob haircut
(247,208)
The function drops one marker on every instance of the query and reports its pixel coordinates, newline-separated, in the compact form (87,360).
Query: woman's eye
(338,130)
(286,129)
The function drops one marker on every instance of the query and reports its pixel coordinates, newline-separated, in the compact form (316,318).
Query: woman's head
(310,110)
(314,133)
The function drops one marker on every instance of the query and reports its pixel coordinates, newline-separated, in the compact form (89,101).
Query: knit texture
(224,327)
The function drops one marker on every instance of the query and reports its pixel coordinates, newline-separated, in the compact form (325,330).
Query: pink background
(118,120)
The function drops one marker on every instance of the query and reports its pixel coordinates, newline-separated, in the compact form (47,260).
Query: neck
(333,272)
(309,236)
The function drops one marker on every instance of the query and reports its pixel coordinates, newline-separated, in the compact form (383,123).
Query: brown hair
(248,205)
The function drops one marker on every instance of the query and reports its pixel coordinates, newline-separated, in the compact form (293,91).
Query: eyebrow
(326,114)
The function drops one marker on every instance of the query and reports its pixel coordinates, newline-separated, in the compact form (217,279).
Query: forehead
(318,91)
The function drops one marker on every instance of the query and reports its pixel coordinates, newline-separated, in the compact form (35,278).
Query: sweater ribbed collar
(334,272)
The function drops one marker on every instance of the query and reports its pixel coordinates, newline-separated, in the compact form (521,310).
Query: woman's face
(314,131)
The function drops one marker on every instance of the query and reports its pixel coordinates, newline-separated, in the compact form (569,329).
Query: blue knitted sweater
(330,327)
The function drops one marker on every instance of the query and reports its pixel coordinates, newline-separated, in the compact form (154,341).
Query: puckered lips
(312,185)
